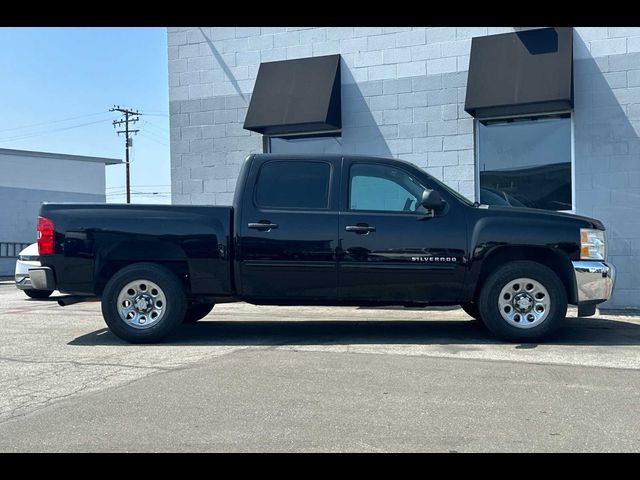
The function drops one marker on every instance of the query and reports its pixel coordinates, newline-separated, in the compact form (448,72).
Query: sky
(56,88)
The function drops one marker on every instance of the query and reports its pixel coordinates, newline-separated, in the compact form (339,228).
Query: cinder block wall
(607,147)
(403,95)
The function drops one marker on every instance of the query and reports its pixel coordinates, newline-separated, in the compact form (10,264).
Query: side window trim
(264,208)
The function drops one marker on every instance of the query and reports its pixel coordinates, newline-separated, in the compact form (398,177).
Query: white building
(29,178)
(548,117)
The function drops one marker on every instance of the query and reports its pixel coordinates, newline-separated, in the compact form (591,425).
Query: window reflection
(526,162)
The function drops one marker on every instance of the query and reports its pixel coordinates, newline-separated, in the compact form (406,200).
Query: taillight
(45,236)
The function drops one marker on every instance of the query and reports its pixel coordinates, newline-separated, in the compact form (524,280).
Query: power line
(149,137)
(123,190)
(152,195)
(164,134)
(128,114)
(156,127)
(47,132)
(139,192)
(157,136)
(52,121)
(140,186)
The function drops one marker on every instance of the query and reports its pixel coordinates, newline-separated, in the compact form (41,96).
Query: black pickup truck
(325,230)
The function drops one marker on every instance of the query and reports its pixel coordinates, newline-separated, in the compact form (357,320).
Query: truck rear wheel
(143,303)
(197,312)
(523,301)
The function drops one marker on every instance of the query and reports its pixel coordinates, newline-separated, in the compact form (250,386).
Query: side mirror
(431,200)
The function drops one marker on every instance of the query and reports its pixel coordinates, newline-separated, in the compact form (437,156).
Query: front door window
(382,188)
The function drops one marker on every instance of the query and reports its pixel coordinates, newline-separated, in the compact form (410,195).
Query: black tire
(490,311)
(174,309)
(197,312)
(471,309)
(38,293)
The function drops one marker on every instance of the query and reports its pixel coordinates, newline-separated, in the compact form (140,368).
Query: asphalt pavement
(251,378)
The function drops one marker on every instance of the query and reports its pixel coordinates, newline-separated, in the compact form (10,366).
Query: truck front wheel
(143,303)
(522,301)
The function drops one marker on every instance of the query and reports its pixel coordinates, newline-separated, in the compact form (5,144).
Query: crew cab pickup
(325,230)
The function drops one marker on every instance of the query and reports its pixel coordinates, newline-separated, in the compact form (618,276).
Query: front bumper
(42,278)
(594,281)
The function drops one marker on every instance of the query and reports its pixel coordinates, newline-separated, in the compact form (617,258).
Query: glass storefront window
(526,162)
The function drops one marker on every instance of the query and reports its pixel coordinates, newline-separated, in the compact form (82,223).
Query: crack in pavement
(93,384)
(78,363)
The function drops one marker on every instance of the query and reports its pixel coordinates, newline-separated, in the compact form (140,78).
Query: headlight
(592,244)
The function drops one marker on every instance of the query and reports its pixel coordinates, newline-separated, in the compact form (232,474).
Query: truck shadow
(577,331)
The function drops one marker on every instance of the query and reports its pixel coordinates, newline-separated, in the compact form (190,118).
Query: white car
(27,259)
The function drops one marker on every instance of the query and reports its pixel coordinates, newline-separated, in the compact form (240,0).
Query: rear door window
(288,184)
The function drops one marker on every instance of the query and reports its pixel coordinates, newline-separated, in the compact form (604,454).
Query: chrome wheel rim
(141,304)
(524,303)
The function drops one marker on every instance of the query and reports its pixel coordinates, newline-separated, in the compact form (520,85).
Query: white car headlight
(593,244)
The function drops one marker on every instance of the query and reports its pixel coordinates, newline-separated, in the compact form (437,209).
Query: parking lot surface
(251,378)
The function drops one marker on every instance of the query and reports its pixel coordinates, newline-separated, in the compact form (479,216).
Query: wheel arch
(556,261)
(123,254)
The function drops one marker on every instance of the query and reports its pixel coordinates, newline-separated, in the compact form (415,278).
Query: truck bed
(92,240)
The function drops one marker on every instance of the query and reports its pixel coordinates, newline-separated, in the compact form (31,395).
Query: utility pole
(128,114)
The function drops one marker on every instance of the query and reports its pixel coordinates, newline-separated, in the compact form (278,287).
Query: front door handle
(360,229)
(263,225)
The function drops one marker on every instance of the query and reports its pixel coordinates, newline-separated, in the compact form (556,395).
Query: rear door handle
(263,226)
(360,229)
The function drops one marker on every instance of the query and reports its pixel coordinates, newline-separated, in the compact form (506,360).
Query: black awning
(519,73)
(297,97)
